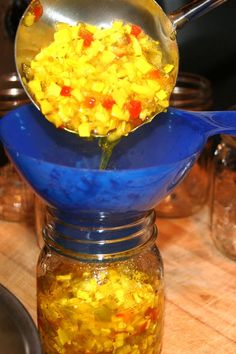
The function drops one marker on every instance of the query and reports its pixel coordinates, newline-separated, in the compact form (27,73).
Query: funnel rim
(171,110)
(100,171)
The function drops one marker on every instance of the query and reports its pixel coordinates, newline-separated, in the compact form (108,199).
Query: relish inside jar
(112,308)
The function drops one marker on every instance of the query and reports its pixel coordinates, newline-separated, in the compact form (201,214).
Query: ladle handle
(194,9)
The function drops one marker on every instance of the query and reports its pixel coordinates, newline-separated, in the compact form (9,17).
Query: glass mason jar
(100,285)
(192,92)
(223,197)
(16,198)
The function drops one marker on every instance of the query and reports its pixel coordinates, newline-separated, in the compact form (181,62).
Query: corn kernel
(98,86)
(168,68)
(117,112)
(142,65)
(29,19)
(137,47)
(62,36)
(107,57)
(53,90)
(46,107)
(84,130)
(77,94)
(161,95)
(142,90)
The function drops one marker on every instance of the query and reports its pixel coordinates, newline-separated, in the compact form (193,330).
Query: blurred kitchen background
(10,14)
(207,47)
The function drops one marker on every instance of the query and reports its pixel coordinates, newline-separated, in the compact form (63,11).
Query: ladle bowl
(145,166)
(147,14)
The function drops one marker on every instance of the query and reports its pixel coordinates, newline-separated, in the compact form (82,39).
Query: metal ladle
(147,14)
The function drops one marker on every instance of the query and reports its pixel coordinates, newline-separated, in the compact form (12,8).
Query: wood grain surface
(200,283)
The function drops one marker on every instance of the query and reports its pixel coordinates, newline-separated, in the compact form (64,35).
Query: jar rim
(87,239)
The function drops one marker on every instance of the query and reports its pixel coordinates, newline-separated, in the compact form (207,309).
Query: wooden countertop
(200,283)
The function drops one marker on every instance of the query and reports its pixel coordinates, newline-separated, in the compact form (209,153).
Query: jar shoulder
(149,260)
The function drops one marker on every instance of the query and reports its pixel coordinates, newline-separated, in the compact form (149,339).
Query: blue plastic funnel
(144,168)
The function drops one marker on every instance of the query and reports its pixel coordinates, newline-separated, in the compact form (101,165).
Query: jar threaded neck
(100,235)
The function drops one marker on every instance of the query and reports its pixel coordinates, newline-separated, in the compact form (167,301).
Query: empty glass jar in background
(223,197)
(16,198)
(192,92)
(12,94)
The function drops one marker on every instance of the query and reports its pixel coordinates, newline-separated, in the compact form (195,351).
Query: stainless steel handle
(194,9)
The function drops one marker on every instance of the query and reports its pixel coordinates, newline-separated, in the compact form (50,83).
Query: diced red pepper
(121,54)
(38,12)
(120,314)
(87,36)
(128,39)
(66,91)
(108,103)
(137,122)
(152,313)
(127,316)
(136,30)
(155,74)
(143,327)
(134,107)
(90,102)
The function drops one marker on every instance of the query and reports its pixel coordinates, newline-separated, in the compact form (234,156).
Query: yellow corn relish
(100,81)
(112,309)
